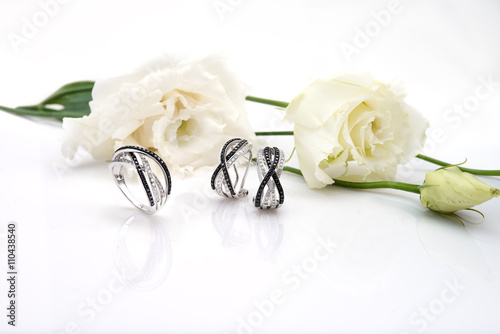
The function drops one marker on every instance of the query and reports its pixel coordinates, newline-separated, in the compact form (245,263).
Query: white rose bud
(354,128)
(449,189)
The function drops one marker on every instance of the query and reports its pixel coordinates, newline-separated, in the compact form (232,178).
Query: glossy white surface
(329,261)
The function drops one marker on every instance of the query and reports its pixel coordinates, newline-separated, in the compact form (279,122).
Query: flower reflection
(368,250)
(449,241)
(236,221)
(373,245)
(142,254)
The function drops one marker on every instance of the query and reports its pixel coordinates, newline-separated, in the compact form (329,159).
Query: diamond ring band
(156,186)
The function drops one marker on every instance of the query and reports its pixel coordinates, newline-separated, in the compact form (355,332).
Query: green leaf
(450,215)
(71,100)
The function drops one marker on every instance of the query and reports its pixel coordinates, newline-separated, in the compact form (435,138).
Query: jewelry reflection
(268,233)
(224,218)
(237,221)
(143,272)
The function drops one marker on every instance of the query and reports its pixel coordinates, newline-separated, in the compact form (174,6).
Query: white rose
(353,128)
(185,111)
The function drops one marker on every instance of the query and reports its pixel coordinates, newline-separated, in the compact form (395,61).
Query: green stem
(463,169)
(413,188)
(266,101)
(274,133)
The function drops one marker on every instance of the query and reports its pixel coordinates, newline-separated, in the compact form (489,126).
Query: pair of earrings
(155,177)
(270,162)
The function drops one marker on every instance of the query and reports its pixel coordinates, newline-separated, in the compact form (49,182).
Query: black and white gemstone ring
(156,189)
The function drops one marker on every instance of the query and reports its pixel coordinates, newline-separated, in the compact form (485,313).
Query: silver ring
(270,161)
(221,181)
(138,158)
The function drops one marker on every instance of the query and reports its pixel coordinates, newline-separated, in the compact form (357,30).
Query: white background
(204,265)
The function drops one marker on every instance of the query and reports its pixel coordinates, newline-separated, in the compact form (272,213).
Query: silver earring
(221,181)
(270,161)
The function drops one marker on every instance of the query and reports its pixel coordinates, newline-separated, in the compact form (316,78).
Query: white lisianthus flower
(354,128)
(185,111)
(449,189)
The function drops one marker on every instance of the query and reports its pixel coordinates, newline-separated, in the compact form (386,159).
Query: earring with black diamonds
(222,182)
(270,161)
